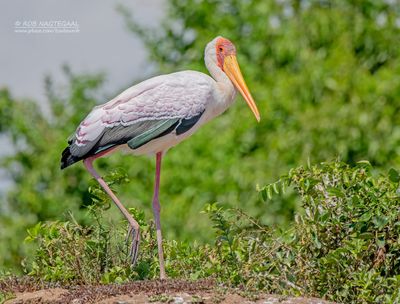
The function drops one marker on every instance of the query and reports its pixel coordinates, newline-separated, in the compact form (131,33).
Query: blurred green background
(325,75)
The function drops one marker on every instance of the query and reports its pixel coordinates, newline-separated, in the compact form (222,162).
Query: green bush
(344,244)
(69,252)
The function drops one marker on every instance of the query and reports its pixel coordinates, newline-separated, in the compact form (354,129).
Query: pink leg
(133,224)
(156,211)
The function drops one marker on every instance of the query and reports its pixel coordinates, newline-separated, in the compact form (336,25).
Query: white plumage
(177,95)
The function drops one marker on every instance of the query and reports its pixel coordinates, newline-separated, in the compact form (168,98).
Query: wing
(144,112)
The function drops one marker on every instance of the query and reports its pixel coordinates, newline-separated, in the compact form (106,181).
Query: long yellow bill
(232,70)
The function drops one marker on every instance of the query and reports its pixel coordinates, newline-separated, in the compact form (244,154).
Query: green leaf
(269,192)
(264,194)
(380,221)
(394,175)
(335,192)
(276,189)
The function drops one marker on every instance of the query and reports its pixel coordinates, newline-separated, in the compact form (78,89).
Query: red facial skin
(224,48)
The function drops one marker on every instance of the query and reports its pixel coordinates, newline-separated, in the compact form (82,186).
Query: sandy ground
(170,291)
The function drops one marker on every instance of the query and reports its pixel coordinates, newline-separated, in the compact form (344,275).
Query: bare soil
(168,291)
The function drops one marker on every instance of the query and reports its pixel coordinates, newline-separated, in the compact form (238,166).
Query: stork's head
(223,53)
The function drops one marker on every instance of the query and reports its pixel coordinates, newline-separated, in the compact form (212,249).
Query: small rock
(178,300)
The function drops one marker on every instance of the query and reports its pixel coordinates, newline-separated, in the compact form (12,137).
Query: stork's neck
(216,71)
(225,90)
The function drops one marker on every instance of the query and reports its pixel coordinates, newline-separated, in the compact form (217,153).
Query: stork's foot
(163,276)
(133,236)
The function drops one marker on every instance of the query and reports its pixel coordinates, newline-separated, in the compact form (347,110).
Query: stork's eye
(221,49)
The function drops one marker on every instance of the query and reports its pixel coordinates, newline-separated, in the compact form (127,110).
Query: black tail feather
(67,159)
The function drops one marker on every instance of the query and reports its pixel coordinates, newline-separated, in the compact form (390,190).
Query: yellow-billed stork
(155,115)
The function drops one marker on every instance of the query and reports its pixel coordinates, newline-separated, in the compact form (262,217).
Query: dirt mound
(169,291)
